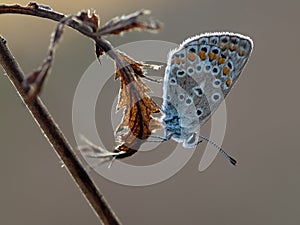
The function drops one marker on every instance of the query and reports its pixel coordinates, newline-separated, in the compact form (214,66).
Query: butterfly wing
(199,75)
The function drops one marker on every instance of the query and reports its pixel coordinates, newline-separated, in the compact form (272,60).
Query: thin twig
(53,15)
(57,139)
(105,45)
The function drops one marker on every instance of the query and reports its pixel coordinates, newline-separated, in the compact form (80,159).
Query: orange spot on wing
(241,53)
(177,60)
(223,47)
(191,56)
(228,82)
(221,60)
(212,56)
(202,55)
(232,47)
(182,61)
(226,70)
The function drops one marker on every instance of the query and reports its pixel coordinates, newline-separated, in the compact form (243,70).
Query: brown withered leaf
(38,76)
(129,22)
(133,96)
(137,122)
(89,18)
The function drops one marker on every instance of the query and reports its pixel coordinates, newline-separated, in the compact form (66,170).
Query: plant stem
(56,138)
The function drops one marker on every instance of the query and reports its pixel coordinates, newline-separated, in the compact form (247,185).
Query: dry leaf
(137,122)
(129,22)
(139,107)
(89,18)
(38,76)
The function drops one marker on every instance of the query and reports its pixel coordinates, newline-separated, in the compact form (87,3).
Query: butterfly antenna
(231,160)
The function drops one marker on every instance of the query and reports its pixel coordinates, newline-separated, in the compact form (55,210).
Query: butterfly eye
(192,140)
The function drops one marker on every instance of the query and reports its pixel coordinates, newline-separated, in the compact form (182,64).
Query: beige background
(262,130)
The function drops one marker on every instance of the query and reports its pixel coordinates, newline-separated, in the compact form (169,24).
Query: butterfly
(199,75)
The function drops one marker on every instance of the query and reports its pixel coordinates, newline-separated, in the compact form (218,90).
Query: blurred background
(262,124)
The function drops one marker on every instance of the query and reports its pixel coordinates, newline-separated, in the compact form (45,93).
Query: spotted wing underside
(199,75)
